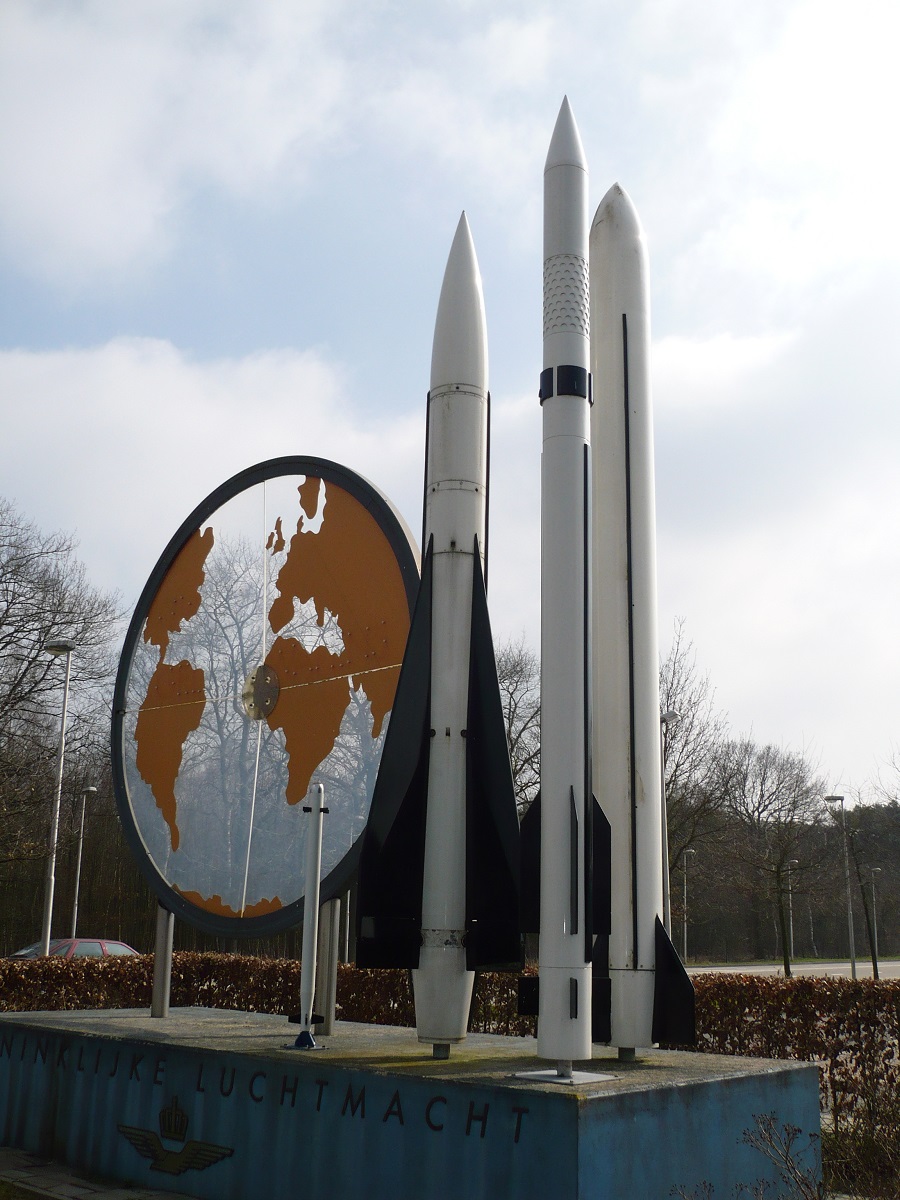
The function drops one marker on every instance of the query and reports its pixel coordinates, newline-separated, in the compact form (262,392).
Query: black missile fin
(673,995)
(492,825)
(530,869)
(601,890)
(601,920)
(391,863)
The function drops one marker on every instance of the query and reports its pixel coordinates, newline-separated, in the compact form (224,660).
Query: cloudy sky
(223,228)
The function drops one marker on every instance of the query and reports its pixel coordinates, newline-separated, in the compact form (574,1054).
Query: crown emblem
(173,1122)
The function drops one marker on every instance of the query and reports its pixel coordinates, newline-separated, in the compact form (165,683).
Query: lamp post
(684,914)
(840,800)
(791,862)
(85,792)
(874,871)
(56,647)
(665,720)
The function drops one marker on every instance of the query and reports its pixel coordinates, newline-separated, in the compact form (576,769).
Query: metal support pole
(849,893)
(50,882)
(162,962)
(666,719)
(875,871)
(84,795)
(685,913)
(344,943)
(792,862)
(326,971)
(316,810)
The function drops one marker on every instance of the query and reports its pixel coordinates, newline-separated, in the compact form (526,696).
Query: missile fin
(673,995)
(492,826)
(601,884)
(530,859)
(389,902)
(601,924)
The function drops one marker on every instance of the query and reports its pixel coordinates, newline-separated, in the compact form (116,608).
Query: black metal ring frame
(339,878)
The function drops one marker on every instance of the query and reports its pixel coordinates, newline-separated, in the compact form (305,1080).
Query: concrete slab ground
(28,1177)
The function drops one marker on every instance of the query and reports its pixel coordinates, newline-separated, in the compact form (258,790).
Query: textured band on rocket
(439,867)
(652,998)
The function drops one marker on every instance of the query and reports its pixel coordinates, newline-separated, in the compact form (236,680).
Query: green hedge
(851,1028)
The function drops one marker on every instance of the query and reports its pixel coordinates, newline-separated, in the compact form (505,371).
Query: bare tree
(519,673)
(773,799)
(45,595)
(691,748)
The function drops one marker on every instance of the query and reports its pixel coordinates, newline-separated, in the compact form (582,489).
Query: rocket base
(372,1114)
(443,995)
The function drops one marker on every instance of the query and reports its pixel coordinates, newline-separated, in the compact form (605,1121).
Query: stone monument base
(219,1105)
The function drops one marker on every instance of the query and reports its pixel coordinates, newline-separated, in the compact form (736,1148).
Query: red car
(77,948)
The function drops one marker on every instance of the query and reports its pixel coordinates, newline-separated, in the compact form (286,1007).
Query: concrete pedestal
(218,1105)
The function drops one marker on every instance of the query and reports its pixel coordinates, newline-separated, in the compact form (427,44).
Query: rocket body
(564,1028)
(439,864)
(454,527)
(626,742)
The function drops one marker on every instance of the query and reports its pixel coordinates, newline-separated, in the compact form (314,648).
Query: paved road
(888,969)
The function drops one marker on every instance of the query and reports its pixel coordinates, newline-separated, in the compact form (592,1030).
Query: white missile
(564,1026)
(651,996)
(439,866)
(455,517)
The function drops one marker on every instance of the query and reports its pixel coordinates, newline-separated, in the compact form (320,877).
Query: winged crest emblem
(191,1156)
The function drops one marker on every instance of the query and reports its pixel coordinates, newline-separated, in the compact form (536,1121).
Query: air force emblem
(173,1123)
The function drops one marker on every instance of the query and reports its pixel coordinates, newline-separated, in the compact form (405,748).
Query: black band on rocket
(570,381)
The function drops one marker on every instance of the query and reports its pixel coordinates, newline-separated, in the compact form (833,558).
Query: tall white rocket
(439,866)
(455,514)
(564,1026)
(651,996)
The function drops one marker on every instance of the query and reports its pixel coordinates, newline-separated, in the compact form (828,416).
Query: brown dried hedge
(851,1028)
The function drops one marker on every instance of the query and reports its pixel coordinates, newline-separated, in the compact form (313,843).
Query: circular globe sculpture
(263,655)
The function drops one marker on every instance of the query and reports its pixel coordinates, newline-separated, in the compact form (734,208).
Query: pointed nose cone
(616,217)
(565,145)
(459,353)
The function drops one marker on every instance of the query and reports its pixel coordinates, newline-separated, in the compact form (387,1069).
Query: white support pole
(162,963)
(316,809)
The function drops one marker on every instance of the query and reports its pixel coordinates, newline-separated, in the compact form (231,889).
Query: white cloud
(805,141)
(720,372)
(113,113)
(794,615)
(121,442)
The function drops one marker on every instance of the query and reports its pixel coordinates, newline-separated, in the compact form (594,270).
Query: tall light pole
(791,862)
(665,720)
(684,914)
(874,871)
(840,800)
(56,647)
(85,792)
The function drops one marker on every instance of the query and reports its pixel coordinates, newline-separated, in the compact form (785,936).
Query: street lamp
(791,862)
(684,914)
(840,800)
(665,720)
(874,871)
(56,647)
(85,792)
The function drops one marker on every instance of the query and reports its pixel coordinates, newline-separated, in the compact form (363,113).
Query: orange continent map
(215,904)
(350,569)
(176,696)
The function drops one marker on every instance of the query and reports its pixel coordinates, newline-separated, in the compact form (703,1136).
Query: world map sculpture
(263,655)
